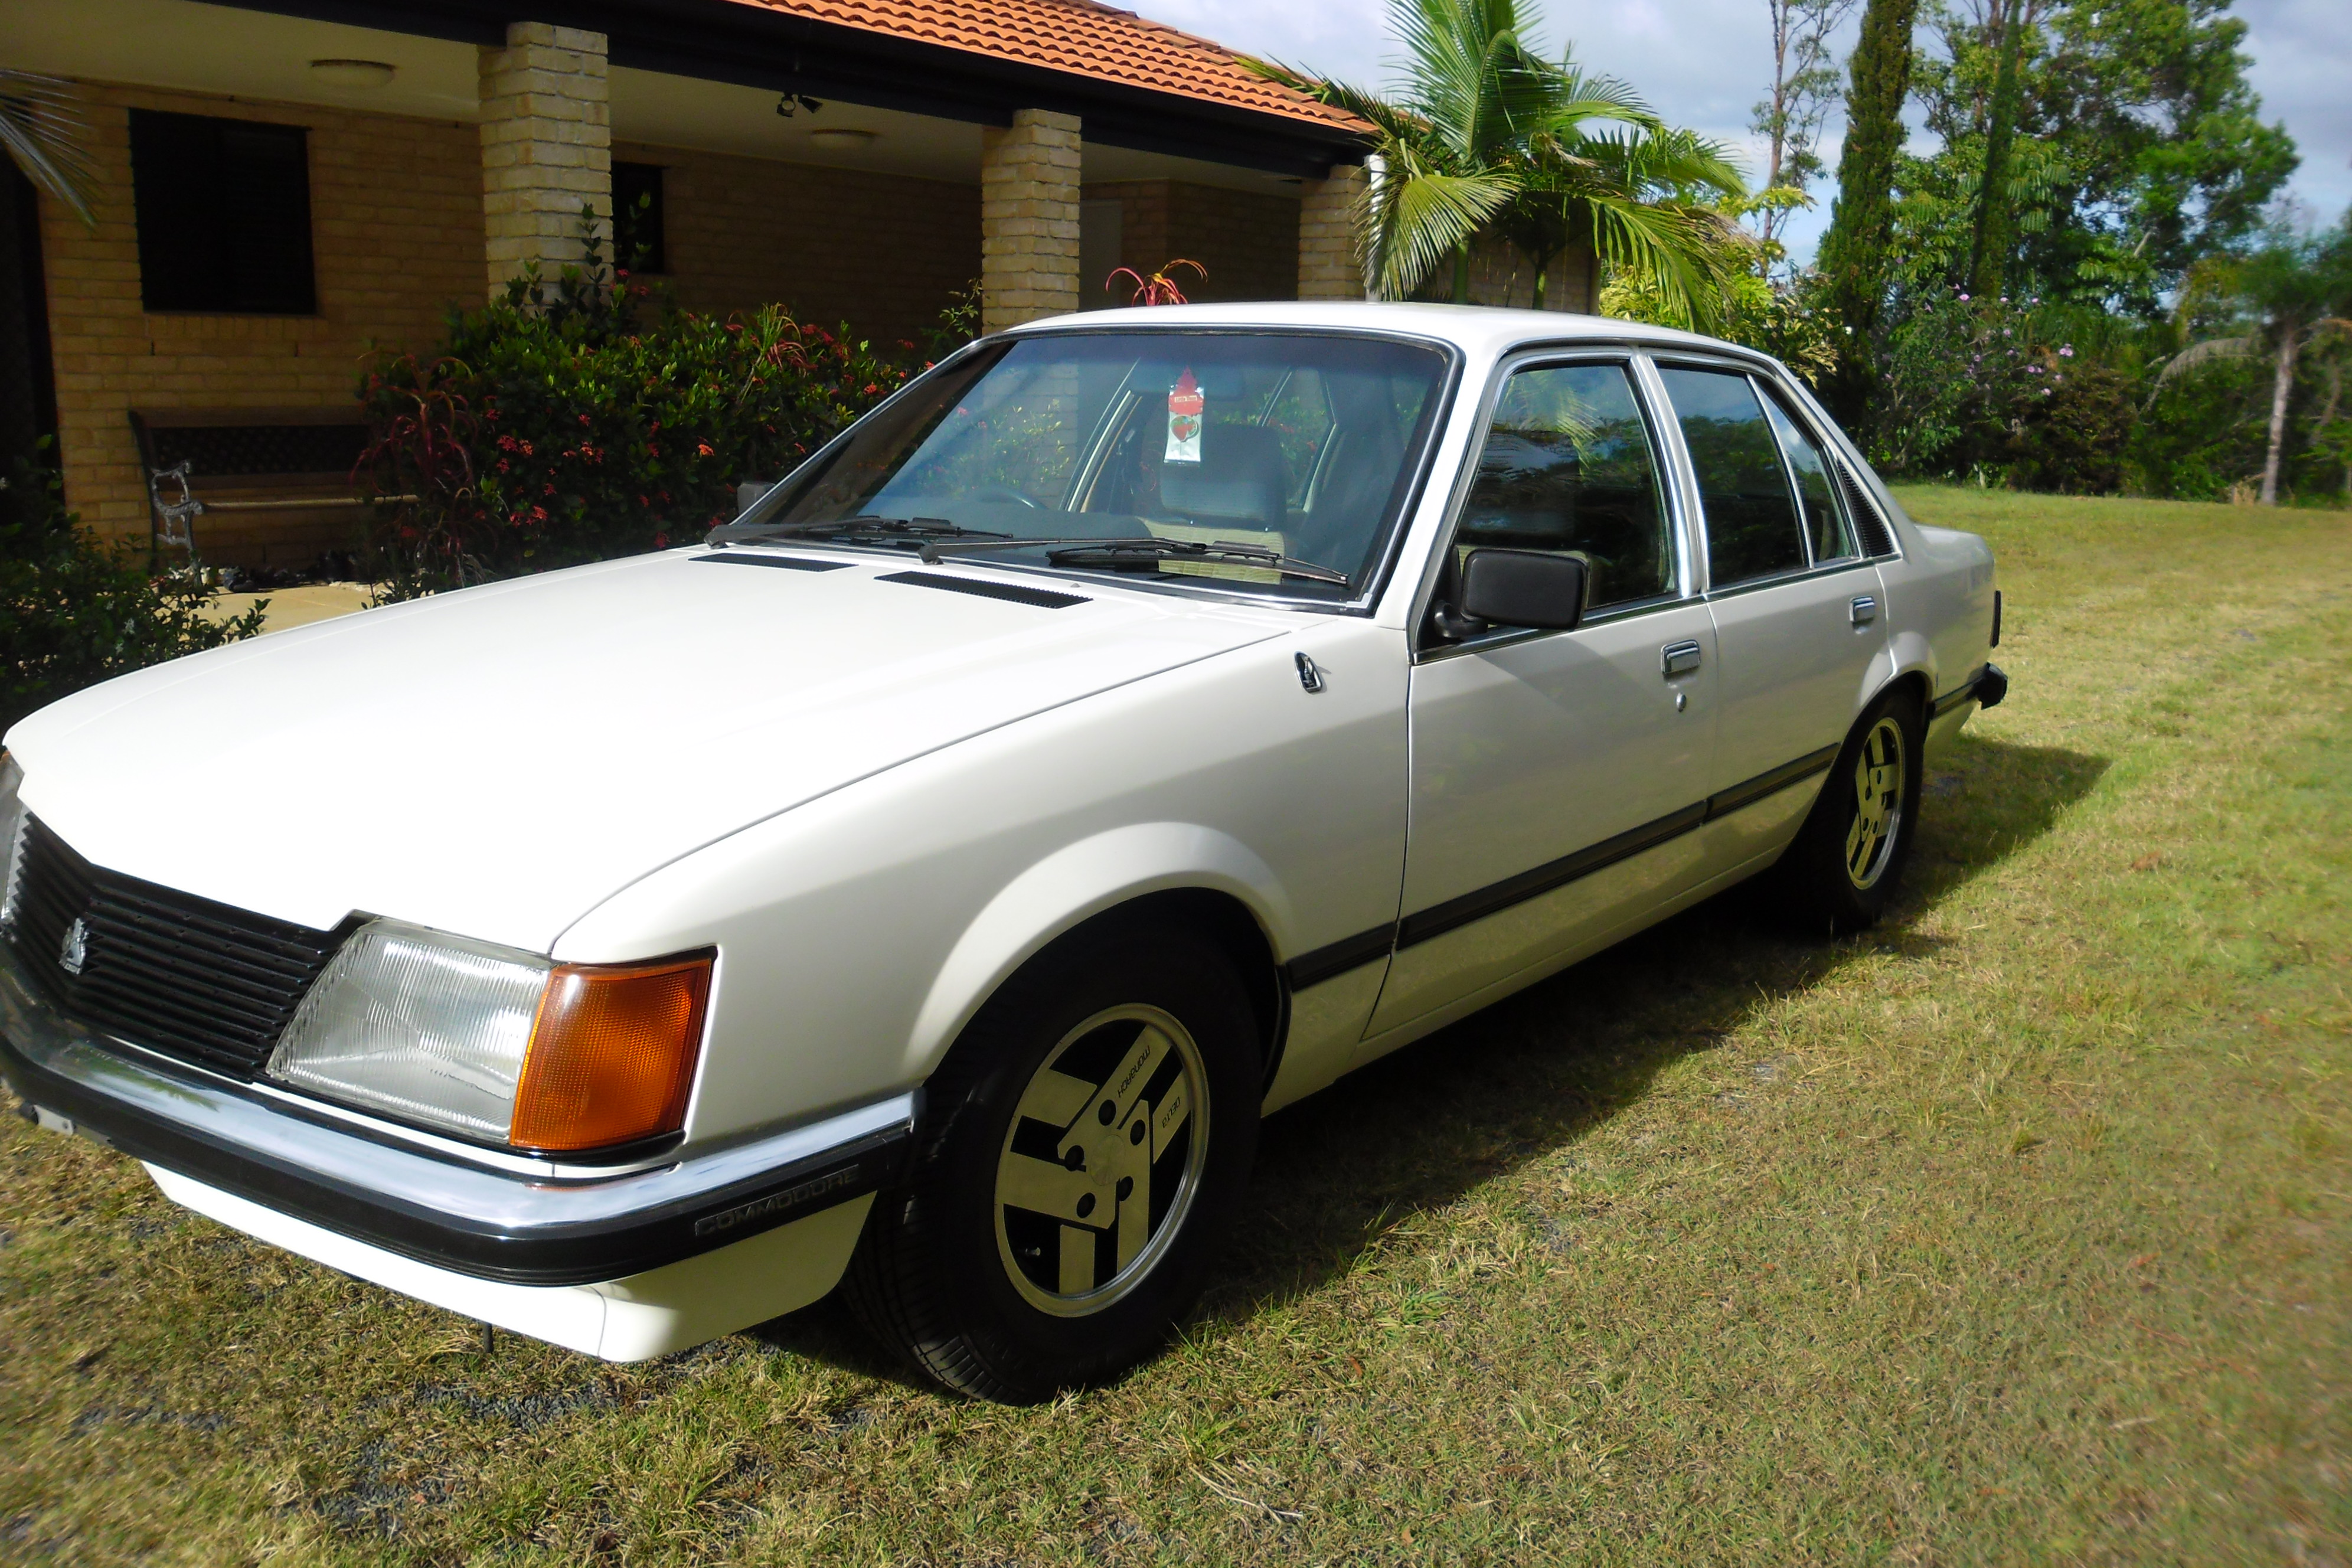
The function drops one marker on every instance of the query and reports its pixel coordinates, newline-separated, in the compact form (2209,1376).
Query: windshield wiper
(864,525)
(1145,554)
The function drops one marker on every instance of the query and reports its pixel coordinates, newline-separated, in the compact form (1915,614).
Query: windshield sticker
(1185,403)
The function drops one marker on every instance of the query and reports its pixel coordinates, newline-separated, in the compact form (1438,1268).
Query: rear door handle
(1678,658)
(1863,610)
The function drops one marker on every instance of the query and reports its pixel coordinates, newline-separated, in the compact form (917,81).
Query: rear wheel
(1847,861)
(1090,1137)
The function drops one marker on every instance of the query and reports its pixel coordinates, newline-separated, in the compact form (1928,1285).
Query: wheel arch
(1915,683)
(1193,875)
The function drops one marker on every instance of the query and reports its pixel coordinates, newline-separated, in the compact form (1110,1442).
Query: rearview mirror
(1523,588)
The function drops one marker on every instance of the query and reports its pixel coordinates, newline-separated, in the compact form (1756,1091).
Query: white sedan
(927,883)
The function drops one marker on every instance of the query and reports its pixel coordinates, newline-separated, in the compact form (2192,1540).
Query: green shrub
(598,421)
(74,611)
(2202,434)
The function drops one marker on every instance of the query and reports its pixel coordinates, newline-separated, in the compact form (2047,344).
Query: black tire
(1847,862)
(959,1279)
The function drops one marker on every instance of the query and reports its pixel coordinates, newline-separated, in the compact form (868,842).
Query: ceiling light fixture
(353,73)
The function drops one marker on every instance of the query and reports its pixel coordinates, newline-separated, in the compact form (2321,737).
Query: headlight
(12,835)
(494,1044)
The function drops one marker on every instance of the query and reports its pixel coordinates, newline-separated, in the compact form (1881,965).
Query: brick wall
(547,149)
(1248,242)
(1328,267)
(396,227)
(1029,218)
(882,252)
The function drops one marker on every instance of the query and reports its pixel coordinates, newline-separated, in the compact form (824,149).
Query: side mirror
(1519,588)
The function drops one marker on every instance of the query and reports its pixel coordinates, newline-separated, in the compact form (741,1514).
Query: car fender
(1066,889)
(1908,652)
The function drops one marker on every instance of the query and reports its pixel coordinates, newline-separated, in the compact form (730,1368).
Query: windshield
(1295,450)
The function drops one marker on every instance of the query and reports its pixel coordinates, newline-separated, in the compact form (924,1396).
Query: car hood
(497,761)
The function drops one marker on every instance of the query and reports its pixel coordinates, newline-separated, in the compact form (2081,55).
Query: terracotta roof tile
(1081,37)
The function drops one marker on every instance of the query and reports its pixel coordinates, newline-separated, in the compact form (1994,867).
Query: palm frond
(41,125)
(1424,216)
(2206,353)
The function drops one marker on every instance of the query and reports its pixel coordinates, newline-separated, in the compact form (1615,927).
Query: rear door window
(1752,527)
(1826,527)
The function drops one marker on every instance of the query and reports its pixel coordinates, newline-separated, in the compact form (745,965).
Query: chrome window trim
(1539,356)
(1769,388)
(1848,457)
(1782,579)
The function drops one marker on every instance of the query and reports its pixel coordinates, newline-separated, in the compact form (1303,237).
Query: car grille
(181,976)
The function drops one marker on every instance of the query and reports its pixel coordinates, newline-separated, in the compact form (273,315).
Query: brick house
(286,184)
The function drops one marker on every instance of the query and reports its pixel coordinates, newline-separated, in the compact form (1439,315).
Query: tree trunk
(1462,274)
(2282,385)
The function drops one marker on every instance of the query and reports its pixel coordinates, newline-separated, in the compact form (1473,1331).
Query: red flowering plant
(589,418)
(1160,289)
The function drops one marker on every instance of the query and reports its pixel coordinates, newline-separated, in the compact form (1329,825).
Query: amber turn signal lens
(612,1053)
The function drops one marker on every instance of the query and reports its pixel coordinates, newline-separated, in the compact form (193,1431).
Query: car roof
(1480,331)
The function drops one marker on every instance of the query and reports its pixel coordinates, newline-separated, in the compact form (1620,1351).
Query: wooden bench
(265,482)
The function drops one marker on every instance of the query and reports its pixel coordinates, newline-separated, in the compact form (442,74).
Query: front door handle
(1678,658)
(1864,609)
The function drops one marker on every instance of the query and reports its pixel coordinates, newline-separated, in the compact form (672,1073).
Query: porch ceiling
(263,55)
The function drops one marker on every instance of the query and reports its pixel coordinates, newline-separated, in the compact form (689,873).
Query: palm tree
(42,127)
(1486,135)
(2285,296)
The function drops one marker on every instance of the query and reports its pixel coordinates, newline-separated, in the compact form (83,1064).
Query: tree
(1804,84)
(1488,135)
(1855,252)
(2130,144)
(1988,256)
(2289,294)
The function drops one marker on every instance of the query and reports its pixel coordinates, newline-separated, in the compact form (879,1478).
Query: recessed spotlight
(353,73)
(846,137)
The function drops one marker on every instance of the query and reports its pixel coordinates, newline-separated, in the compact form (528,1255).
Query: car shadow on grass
(1535,1073)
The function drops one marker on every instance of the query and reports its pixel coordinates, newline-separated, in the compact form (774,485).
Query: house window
(223,212)
(638,218)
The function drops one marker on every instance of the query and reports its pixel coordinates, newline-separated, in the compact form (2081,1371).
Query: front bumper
(464,1219)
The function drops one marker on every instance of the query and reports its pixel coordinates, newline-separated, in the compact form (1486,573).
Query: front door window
(1568,469)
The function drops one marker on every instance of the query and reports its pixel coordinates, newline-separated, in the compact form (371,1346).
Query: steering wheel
(1002,493)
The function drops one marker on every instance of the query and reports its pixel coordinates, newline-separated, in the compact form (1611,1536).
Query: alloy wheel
(1879,778)
(1103,1160)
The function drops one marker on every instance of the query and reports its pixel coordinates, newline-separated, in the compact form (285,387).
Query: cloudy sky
(1704,63)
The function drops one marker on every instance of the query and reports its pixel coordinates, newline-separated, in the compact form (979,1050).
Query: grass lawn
(2020,1230)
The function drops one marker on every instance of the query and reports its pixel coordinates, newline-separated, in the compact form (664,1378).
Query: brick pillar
(1028,218)
(547,149)
(1330,267)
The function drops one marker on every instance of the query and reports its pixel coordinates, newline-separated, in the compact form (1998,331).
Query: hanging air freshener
(1185,403)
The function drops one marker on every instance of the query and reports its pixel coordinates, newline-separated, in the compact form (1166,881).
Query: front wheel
(1091,1134)
(1847,861)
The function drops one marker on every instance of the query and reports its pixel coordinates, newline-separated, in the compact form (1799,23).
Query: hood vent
(1044,598)
(788,563)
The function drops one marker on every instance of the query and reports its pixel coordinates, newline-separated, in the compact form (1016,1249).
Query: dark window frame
(224,216)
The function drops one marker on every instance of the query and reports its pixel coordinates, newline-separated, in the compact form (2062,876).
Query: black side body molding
(1319,965)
